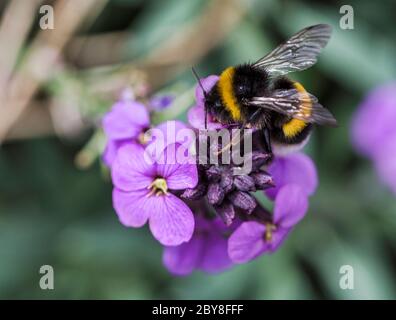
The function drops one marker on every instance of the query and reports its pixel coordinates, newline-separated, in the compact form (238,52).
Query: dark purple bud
(213,173)
(202,165)
(263,180)
(215,193)
(226,212)
(259,159)
(196,193)
(226,181)
(161,102)
(244,183)
(243,200)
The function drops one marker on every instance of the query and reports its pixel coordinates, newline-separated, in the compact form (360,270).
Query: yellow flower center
(158,187)
(143,138)
(269,228)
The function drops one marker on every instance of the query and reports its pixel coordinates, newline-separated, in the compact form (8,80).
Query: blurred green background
(55,196)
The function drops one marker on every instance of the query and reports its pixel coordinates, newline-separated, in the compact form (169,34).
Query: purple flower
(162,177)
(374,132)
(374,122)
(206,250)
(295,168)
(385,164)
(253,238)
(143,192)
(196,115)
(124,123)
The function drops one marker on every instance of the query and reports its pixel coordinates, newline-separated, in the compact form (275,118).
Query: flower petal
(111,150)
(291,205)
(185,177)
(247,242)
(125,120)
(176,132)
(374,119)
(207,250)
(169,132)
(278,237)
(175,167)
(196,118)
(132,208)
(132,170)
(171,220)
(215,254)
(295,168)
(385,163)
(183,259)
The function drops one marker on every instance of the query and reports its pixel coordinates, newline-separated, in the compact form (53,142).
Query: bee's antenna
(199,81)
(204,93)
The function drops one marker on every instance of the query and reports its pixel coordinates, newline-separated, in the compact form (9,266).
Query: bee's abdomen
(278,135)
(295,126)
(290,131)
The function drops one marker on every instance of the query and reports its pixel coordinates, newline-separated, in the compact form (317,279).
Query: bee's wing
(298,53)
(303,106)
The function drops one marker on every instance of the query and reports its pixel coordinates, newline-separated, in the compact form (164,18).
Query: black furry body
(249,82)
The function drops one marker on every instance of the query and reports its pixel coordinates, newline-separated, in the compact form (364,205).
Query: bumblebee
(259,96)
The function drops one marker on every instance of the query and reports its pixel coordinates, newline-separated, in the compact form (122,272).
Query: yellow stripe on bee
(227,95)
(295,126)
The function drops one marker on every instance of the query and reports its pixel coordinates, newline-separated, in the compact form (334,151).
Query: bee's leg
(246,123)
(265,131)
(232,143)
(267,140)
(235,139)
(252,117)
